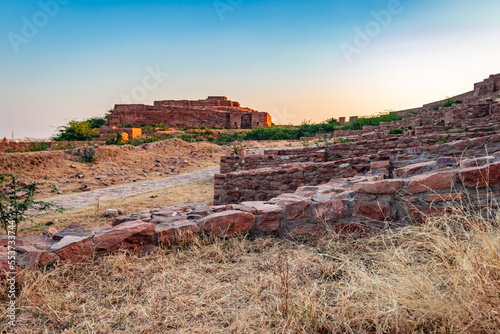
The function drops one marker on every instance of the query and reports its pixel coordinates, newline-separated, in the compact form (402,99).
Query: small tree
(16,199)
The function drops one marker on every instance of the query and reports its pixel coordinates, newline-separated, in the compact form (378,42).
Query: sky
(298,60)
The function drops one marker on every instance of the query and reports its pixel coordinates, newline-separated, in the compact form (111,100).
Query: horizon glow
(72,59)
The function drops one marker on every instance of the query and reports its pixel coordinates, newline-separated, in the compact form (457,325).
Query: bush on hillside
(372,120)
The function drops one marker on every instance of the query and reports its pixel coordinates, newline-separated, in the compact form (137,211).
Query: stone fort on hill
(214,112)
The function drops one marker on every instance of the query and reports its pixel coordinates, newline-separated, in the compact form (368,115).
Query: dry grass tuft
(440,277)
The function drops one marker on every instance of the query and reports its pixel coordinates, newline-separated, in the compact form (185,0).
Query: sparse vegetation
(86,155)
(16,199)
(373,120)
(447,103)
(396,131)
(81,130)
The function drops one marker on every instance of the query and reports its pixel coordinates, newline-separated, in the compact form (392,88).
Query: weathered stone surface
(378,211)
(414,168)
(328,211)
(37,241)
(228,223)
(74,249)
(378,187)
(76,230)
(480,177)
(295,207)
(111,213)
(434,181)
(180,231)
(267,215)
(49,232)
(380,164)
(133,236)
(34,259)
(310,230)
(130,218)
(164,220)
(476,162)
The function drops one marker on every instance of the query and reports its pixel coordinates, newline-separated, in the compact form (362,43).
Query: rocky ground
(62,172)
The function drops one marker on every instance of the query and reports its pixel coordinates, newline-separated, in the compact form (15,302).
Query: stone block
(133,236)
(378,211)
(228,223)
(480,177)
(433,181)
(378,187)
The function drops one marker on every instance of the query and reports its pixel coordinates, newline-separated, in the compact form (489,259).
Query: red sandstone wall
(213,112)
(231,164)
(266,183)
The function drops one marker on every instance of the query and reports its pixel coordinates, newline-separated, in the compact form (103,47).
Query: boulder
(111,213)
(228,223)
(296,208)
(378,187)
(133,236)
(414,168)
(39,242)
(378,211)
(145,217)
(433,181)
(35,259)
(328,211)
(267,215)
(177,232)
(72,249)
(480,177)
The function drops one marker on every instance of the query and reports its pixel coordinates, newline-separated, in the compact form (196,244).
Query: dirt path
(86,198)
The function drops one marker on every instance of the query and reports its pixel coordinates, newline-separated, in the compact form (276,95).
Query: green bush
(447,103)
(87,155)
(81,130)
(372,120)
(76,131)
(396,131)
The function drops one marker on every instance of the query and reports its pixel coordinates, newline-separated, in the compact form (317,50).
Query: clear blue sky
(284,57)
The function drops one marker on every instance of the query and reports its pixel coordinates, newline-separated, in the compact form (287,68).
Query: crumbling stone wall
(271,158)
(266,183)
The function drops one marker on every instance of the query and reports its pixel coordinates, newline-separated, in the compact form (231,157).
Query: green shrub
(16,199)
(396,131)
(76,131)
(87,155)
(116,140)
(372,120)
(227,138)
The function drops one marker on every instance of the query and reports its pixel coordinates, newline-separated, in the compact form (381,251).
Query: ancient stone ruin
(214,112)
(446,156)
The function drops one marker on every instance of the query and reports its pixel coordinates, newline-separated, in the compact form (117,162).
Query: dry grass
(88,215)
(441,277)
